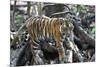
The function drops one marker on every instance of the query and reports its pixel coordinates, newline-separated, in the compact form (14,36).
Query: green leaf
(93,30)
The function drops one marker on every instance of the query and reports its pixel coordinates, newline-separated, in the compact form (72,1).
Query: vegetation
(78,45)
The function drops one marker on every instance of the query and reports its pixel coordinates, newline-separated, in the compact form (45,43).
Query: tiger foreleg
(61,53)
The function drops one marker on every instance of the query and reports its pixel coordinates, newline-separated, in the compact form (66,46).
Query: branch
(61,13)
(83,35)
(93,58)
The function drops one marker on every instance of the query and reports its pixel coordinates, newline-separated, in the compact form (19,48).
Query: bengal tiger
(44,28)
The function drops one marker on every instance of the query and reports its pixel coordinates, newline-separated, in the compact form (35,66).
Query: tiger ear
(69,24)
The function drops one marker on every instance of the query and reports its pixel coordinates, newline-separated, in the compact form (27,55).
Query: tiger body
(44,28)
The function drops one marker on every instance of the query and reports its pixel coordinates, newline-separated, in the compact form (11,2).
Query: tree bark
(13,17)
(83,35)
(28,8)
